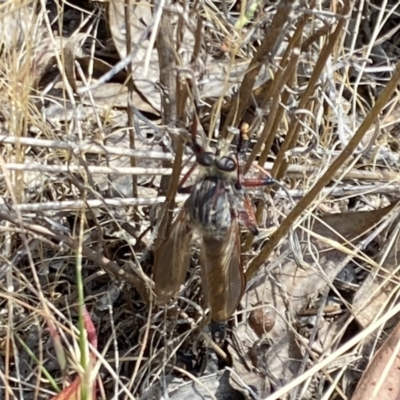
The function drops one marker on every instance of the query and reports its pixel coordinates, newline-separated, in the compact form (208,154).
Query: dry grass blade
(347,346)
(271,41)
(380,378)
(103,106)
(108,265)
(280,165)
(348,151)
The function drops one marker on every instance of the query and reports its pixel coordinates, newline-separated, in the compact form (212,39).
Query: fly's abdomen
(209,206)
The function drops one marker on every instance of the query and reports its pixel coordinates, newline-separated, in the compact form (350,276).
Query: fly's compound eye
(205,159)
(226,164)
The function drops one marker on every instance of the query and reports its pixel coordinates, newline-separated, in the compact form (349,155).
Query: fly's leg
(247,215)
(258,182)
(241,152)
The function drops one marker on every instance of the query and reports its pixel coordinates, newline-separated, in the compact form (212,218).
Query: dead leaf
(217,384)
(113,94)
(140,16)
(245,378)
(291,286)
(100,67)
(376,290)
(116,95)
(380,381)
(265,365)
(45,60)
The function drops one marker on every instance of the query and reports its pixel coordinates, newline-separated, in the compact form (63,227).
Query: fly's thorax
(214,171)
(210,204)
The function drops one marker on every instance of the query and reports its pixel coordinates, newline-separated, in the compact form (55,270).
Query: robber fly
(216,203)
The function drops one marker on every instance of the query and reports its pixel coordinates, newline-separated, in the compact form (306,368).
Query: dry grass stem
(104,105)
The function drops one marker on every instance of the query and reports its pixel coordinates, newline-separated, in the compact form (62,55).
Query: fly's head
(214,165)
(221,164)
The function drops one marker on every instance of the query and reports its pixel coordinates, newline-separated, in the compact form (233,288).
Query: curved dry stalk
(241,102)
(281,164)
(304,203)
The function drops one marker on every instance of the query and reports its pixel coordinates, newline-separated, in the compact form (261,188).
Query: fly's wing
(223,278)
(172,260)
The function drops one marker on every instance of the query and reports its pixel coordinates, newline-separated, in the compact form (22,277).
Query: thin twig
(88,147)
(73,169)
(79,204)
(294,171)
